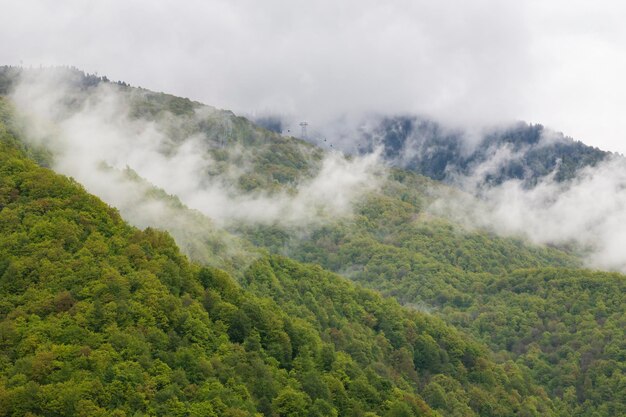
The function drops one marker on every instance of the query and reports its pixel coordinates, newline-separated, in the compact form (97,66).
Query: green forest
(99,318)
(393,311)
(531,305)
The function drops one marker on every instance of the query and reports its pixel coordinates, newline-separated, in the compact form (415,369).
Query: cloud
(587,213)
(95,139)
(87,131)
(559,63)
(315,60)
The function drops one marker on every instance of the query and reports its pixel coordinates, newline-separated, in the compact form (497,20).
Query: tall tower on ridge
(303,125)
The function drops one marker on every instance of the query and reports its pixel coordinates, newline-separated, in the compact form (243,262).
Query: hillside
(100,318)
(520,151)
(244,155)
(527,303)
(547,325)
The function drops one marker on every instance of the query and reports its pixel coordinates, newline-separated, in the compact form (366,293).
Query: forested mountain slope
(520,151)
(532,304)
(548,321)
(244,155)
(100,318)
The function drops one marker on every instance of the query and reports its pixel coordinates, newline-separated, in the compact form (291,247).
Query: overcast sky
(560,63)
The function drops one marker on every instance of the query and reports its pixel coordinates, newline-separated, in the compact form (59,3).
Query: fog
(586,214)
(559,63)
(95,140)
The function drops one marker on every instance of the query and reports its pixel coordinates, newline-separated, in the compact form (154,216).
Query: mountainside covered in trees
(520,151)
(531,305)
(101,317)
(527,152)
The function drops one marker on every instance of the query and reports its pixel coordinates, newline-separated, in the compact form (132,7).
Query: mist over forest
(312,210)
(530,182)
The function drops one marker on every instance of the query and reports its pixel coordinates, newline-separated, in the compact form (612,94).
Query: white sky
(560,63)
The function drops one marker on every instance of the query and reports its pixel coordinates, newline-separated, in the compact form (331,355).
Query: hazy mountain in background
(491,156)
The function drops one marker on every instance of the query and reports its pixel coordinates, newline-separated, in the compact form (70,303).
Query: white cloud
(312,59)
(100,131)
(559,63)
(588,212)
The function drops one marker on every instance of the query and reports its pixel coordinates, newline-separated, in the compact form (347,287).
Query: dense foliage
(394,245)
(99,318)
(566,325)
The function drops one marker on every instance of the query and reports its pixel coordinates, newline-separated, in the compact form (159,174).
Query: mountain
(490,324)
(518,151)
(100,318)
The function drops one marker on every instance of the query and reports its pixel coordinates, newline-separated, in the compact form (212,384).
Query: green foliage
(392,245)
(565,326)
(374,337)
(99,318)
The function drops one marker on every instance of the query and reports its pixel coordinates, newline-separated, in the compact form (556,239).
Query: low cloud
(587,213)
(559,63)
(94,139)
